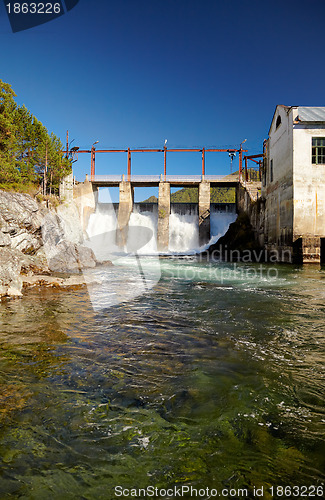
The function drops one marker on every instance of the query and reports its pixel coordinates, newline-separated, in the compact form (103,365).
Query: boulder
(5,240)
(21,219)
(10,266)
(62,254)
(68,257)
(36,240)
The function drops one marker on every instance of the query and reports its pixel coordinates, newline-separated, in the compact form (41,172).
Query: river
(213,377)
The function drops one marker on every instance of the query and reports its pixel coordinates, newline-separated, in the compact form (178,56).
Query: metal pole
(203,162)
(129,164)
(92,162)
(67,151)
(240,163)
(246,171)
(165,162)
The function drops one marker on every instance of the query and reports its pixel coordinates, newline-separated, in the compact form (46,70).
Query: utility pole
(241,160)
(203,163)
(165,159)
(129,164)
(92,160)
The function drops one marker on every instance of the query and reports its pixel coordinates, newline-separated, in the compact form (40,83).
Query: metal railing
(156,178)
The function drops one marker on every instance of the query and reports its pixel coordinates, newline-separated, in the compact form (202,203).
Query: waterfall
(220,222)
(142,233)
(137,266)
(101,231)
(183,233)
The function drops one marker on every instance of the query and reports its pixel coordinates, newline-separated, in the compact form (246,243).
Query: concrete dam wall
(180,208)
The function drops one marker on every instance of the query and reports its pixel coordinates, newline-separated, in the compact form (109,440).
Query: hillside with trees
(30,157)
(191,195)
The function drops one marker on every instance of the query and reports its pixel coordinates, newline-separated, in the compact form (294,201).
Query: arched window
(278,122)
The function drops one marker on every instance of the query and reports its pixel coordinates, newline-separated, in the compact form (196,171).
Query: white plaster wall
(279,192)
(309,183)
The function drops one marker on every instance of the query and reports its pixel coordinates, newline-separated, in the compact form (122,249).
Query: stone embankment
(36,243)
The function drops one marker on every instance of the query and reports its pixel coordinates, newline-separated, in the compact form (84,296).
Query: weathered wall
(124,212)
(204,212)
(255,209)
(309,184)
(66,189)
(85,196)
(163,216)
(278,191)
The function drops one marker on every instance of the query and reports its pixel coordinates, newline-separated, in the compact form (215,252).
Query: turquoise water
(214,378)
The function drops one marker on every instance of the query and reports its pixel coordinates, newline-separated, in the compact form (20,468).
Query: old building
(293,183)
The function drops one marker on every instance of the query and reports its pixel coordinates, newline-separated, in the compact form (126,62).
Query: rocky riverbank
(36,243)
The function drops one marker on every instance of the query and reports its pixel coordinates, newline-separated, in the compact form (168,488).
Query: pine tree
(28,154)
(8,171)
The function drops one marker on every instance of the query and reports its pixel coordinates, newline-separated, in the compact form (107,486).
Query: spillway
(142,233)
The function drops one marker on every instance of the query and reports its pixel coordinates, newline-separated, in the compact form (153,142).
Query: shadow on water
(199,381)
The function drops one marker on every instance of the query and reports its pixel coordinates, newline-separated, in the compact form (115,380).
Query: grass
(14,187)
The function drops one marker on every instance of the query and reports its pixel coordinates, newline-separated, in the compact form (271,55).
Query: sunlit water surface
(212,378)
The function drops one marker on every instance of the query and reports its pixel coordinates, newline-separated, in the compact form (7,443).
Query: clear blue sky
(133,73)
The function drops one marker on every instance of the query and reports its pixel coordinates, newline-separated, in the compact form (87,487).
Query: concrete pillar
(163,216)
(311,250)
(85,196)
(124,213)
(204,212)
(66,189)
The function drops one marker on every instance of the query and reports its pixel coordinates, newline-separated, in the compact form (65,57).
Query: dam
(177,227)
(183,233)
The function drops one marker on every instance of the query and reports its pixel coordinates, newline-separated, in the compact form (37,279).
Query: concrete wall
(309,184)
(204,212)
(278,192)
(85,197)
(124,212)
(255,209)
(178,208)
(163,216)
(66,189)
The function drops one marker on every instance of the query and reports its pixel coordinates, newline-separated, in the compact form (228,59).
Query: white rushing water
(137,267)
(142,233)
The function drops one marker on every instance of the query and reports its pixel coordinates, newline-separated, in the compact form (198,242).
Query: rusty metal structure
(253,158)
(73,153)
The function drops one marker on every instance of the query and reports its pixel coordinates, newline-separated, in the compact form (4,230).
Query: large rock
(62,254)
(10,266)
(5,240)
(34,239)
(13,263)
(21,219)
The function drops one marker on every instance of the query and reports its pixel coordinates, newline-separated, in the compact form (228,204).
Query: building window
(271,171)
(318,151)
(278,122)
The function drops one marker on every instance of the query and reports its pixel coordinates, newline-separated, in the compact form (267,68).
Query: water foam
(183,232)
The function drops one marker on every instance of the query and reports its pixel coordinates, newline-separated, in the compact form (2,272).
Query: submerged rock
(75,281)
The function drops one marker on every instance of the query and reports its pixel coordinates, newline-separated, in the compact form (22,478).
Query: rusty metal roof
(310,114)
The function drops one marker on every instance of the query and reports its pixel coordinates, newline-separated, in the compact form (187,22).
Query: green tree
(8,172)
(28,153)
